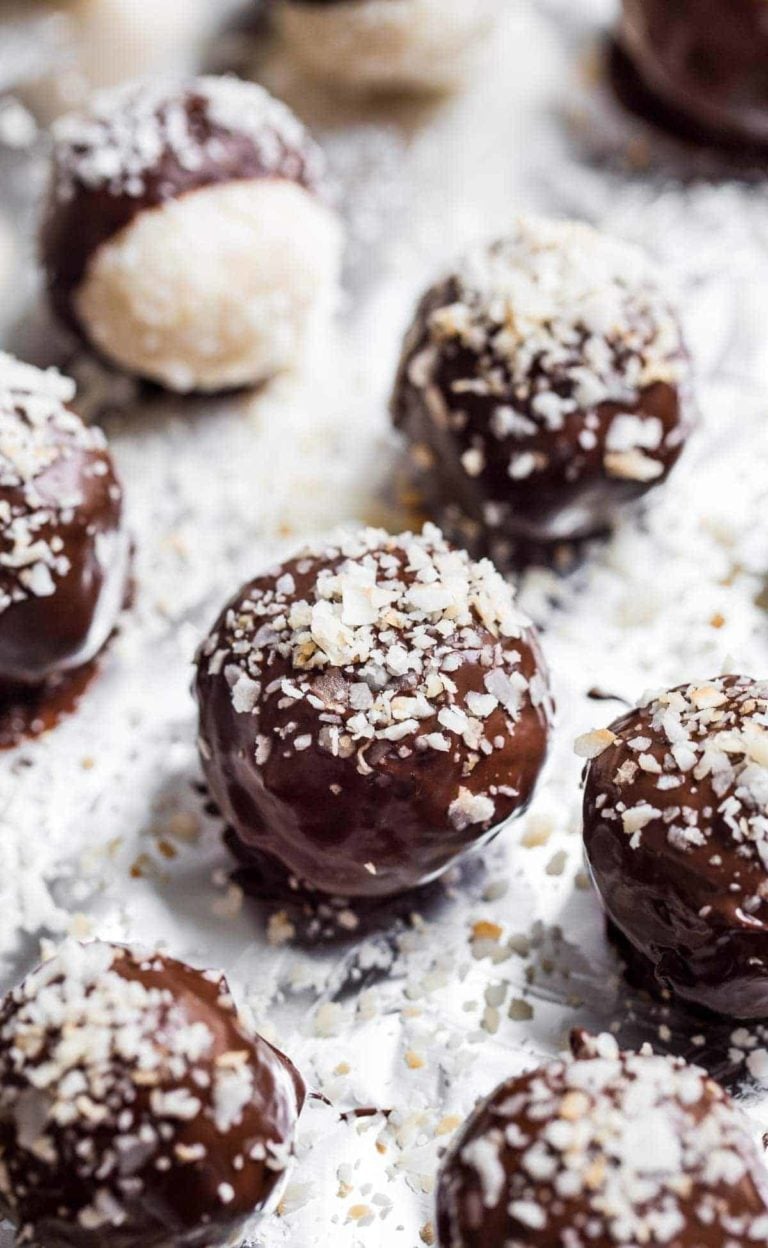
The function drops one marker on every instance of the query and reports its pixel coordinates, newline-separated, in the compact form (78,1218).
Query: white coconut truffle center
(259,257)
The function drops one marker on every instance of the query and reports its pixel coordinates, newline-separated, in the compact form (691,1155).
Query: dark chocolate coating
(70,510)
(706,62)
(374,818)
(639,1177)
(30,711)
(686,892)
(172,1176)
(462,457)
(84,210)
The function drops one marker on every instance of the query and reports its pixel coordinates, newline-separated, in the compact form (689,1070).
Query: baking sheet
(102,824)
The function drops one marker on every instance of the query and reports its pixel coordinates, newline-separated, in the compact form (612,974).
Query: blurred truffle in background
(697,66)
(93,44)
(543,385)
(188,237)
(386,45)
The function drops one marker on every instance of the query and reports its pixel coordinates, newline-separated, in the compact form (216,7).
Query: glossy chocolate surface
(162,1118)
(706,64)
(603,1150)
(676,834)
(361,759)
(530,415)
(63,552)
(142,146)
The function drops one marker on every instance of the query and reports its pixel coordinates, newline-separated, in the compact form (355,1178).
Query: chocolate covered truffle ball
(64,554)
(542,386)
(704,65)
(604,1149)
(187,238)
(676,834)
(375,45)
(136,1106)
(370,710)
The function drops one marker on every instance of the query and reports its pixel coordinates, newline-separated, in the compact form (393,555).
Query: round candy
(676,833)
(186,238)
(64,555)
(703,64)
(385,45)
(604,1149)
(542,386)
(136,1106)
(369,711)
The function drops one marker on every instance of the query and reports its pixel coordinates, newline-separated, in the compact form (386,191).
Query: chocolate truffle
(676,834)
(136,1106)
(604,1149)
(542,386)
(386,45)
(705,65)
(186,237)
(64,555)
(370,710)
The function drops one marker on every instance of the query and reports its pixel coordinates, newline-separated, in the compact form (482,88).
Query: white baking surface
(432,1010)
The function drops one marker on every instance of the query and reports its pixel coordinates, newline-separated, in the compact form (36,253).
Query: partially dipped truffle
(604,1149)
(64,553)
(369,710)
(542,386)
(136,1105)
(187,238)
(676,834)
(702,64)
(386,45)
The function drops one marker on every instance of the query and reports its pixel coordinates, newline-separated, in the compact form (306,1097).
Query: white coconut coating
(387,44)
(221,288)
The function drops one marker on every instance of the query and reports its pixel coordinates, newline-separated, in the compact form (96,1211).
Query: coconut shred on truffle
(187,237)
(136,1106)
(369,710)
(676,833)
(64,554)
(542,386)
(698,67)
(386,45)
(605,1149)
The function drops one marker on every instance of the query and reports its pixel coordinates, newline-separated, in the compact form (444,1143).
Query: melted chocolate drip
(29,712)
